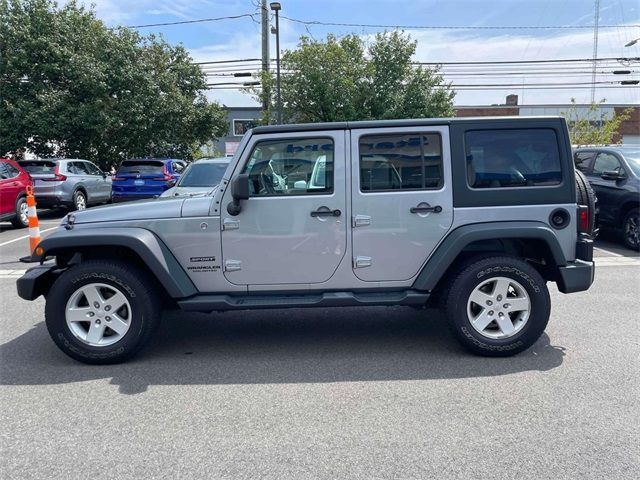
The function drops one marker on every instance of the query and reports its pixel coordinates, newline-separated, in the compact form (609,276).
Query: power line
(454,27)
(564,60)
(200,20)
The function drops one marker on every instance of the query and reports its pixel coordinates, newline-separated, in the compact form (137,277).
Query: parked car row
(614,174)
(76,184)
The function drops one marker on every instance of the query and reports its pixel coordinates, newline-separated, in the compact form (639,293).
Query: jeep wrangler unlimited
(473,215)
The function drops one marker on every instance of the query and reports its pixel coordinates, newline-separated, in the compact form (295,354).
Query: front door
(293,229)
(402,199)
(608,192)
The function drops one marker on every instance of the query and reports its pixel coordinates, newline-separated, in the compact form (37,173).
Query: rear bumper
(36,281)
(578,276)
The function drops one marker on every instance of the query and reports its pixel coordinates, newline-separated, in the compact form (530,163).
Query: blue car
(145,178)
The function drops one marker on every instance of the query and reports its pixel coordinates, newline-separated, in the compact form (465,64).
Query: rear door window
(8,171)
(583,160)
(79,168)
(4,173)
(512,158)
(411,161)
(178,167)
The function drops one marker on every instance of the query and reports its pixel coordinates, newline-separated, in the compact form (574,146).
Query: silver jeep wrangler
(472,215)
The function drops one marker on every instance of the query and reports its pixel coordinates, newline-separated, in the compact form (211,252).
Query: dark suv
(614,173)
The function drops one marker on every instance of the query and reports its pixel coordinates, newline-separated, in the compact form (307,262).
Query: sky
(240,38)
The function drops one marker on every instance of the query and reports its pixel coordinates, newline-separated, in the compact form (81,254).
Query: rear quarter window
(516,158)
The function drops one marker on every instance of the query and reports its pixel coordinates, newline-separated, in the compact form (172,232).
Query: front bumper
(36,281)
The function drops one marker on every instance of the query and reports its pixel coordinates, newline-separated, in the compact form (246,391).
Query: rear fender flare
(455,242)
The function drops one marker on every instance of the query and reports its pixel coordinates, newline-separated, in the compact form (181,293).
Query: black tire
(137,287)
(78,196)
(17,221)
(474,273)
(631,229)
(585,195)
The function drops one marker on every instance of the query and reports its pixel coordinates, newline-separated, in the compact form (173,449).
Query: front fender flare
(153,252)
(458,239)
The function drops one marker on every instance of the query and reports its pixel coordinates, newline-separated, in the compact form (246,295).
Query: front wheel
(631,229)
(102,312)
(497,306)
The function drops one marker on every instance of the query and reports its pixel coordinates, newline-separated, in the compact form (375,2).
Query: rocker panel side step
(217,302)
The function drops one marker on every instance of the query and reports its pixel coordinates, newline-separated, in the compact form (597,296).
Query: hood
(149,209)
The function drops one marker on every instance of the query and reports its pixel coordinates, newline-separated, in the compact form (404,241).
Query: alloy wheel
(98,314)
(23,213)
(498,307)
(81,202)
(632,230)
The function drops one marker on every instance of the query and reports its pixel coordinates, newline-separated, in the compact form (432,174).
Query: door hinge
(232,265)
(361,262)
(229,224)
(361,221)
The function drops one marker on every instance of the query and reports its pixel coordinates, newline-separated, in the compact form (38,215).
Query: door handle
(436,209)
(326,213)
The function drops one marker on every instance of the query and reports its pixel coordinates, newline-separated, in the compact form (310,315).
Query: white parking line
(25,236)
(608,251)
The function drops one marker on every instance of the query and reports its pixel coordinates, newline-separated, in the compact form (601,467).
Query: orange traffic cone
(34,227)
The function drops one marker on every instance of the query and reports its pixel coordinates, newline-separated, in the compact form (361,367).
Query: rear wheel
(498,306)
(21,220)
(79,201)
(102,312)
(631,229)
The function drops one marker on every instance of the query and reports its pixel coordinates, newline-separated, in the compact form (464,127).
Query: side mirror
(300,185)
(171,183)
(239,191)
(612,175)
(104,175)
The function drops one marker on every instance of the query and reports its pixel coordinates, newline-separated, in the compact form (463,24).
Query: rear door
(402,199)
(291,230)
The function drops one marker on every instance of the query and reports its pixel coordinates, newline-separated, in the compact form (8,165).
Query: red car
(13,193)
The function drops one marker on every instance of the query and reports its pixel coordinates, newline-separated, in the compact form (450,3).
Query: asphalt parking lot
(327,393)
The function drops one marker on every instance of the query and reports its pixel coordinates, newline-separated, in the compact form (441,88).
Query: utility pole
(595,51)
(266,60)
(276,7)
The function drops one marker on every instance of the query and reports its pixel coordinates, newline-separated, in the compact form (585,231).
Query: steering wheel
(266,182)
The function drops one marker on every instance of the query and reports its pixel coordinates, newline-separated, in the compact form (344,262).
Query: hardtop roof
(417,122)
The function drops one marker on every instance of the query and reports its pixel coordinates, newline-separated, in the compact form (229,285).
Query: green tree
(69,86)
(345,79)
(592,127)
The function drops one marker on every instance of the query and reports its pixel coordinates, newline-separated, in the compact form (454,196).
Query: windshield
(203,175)
(141,166)
(38,167)
(633,159)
